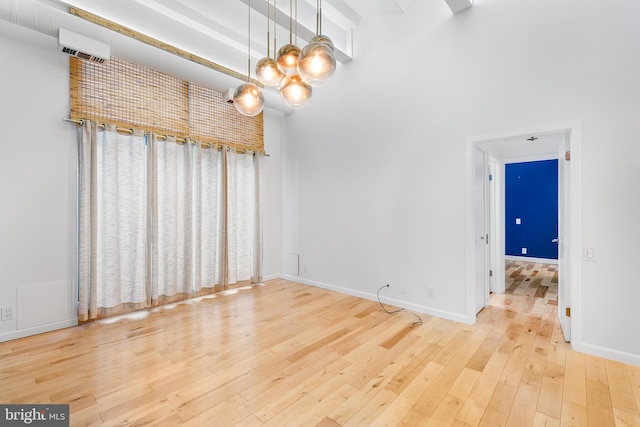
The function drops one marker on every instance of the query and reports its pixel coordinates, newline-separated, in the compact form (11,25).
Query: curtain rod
(180,141)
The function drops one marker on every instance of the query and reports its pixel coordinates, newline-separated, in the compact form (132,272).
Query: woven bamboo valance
(130,95)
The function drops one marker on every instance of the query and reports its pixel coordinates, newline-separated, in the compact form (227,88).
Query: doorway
(531,145)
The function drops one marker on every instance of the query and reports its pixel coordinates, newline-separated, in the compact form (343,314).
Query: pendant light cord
(320,17)
(296,22)
(317,17)
(275,30)
(290,21)
(268,28)
(249,45)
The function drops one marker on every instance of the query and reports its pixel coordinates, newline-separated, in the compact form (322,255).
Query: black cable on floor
(418,322)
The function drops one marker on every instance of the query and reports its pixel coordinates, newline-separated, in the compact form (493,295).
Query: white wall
(38,161)
(272,195)
(611,202)
(37,185)
(371,175)
(375,164)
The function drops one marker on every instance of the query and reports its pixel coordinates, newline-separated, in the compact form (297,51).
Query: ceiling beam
(458,6)
(157,43)
(404,5)
(304,32)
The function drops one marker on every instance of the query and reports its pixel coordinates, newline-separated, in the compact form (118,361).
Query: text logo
(34,415)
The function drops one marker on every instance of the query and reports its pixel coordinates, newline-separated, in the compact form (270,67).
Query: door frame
(482,236)
(572,201)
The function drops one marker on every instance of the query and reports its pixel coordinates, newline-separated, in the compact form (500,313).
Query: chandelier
(248,98)
(293,70)
(317,62)
(267,69)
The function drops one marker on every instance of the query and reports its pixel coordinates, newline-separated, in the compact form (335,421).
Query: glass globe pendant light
(317,62)
(248,98)
(267,69)
(268,72)
(288,59)
(288,54)
(295,92)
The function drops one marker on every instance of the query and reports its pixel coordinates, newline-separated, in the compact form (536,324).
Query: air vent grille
(70,51)
(79,46)
(82,55)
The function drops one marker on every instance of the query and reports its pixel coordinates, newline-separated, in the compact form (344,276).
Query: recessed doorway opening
(486,236)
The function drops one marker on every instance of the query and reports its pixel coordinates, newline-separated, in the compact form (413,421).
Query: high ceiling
(218,30)
(214,30)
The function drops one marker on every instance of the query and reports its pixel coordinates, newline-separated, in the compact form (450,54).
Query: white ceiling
(543,146)
(214,30)
(217,30)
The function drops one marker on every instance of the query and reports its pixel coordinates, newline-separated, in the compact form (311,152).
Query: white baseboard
(372,297)
(530,259)
(22,333)
(607,353)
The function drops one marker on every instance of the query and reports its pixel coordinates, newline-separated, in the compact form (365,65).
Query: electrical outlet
(431,293)
(403,289)
(6,313)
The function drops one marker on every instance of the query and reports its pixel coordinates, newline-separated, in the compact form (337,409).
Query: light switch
(590,254)
(518,221)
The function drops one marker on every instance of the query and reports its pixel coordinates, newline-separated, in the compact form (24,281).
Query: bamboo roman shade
(130,95)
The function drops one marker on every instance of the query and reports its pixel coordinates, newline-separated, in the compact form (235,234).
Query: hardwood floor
(532,279)
(286,354)
(529,286)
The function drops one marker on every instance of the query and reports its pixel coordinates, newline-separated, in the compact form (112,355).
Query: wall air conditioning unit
(83,47)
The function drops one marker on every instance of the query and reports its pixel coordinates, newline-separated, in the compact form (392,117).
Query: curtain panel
(161,221)
(172,216)
(111,222)
(244,213)
(210,228)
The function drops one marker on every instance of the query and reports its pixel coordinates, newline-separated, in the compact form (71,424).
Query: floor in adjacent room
(530,285)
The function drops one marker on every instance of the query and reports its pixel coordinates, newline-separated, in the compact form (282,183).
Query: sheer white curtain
(112,237)
(209,227)
(163,222)
(171,184)
(244,217)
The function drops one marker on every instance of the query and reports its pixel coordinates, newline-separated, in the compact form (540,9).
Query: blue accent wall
(531,194)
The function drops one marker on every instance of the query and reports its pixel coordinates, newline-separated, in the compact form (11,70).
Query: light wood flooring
(532,279)
(287,354)
(527,285)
